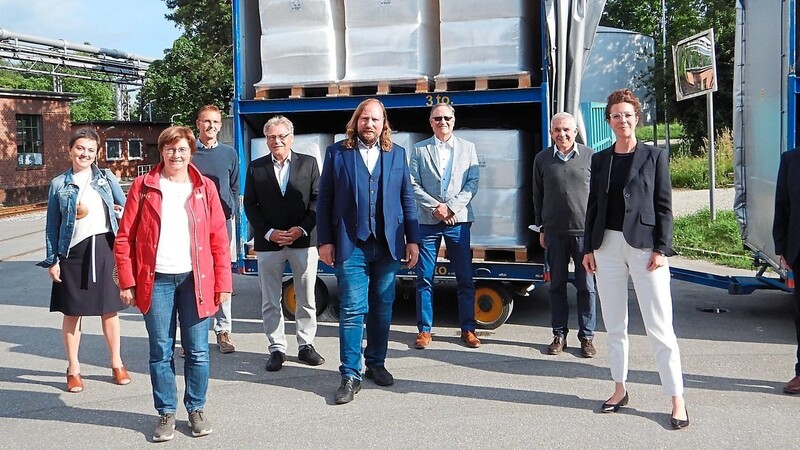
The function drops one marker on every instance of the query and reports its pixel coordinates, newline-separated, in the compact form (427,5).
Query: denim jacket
(62,199)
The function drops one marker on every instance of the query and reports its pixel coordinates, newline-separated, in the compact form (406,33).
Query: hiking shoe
(199,423)
(165,430)
(224,342)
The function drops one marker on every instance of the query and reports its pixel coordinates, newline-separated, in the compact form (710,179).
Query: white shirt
(369,154)
(444,150)
(174,254)
(96,221)
(572,153)
(282,174)
(282,171)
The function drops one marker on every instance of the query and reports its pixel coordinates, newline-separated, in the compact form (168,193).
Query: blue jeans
(456,238)
(559,251)
(173,298)
(366,293)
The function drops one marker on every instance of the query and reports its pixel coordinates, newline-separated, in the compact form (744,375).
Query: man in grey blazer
(444,174)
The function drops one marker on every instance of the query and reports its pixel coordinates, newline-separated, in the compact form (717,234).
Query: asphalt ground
(507,394)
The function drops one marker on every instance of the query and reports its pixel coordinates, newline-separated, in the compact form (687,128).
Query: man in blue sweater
(560,192)
(220,163)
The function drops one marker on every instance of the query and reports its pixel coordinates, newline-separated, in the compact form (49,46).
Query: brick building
(34,133)
(126,145)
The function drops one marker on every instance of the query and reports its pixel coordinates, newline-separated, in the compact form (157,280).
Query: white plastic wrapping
(307,144)
(499,218)
(481,41)
(401,138)
(388,40)
(502,157)
(302,42)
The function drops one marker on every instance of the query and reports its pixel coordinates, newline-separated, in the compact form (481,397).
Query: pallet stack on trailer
(314,61)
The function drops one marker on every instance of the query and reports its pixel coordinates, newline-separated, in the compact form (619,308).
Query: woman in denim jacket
(82,208)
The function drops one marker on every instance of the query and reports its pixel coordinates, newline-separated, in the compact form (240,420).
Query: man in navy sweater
(560,192)
(220,163)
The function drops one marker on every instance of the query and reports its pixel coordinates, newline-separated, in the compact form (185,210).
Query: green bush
(691,172)
(697,237)
(645,132)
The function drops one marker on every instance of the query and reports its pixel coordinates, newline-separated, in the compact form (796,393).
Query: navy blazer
(266,208)
(648,200)
(337,209)
(786,225)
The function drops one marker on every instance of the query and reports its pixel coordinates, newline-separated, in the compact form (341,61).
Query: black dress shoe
(348,388)
(614,407)
(677,424)
(379,375)
(275,361)
(310,356)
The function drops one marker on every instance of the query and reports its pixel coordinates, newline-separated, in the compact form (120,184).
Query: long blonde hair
(385,138)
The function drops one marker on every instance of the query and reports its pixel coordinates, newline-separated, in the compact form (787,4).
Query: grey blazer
(426,178)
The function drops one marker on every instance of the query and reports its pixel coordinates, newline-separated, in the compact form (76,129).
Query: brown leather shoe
(557,346)
(587,348)
(423,339)
(74,383)
(120,375)
(793,386)
(471,339)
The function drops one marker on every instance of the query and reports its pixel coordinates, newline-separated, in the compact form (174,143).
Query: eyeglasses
(180,150)
(278,137)
(441,118)
(619,116)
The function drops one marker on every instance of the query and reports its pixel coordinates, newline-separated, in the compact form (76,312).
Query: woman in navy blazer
(629,233)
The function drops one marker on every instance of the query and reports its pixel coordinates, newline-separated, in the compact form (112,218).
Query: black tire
(493,305)
(289,302)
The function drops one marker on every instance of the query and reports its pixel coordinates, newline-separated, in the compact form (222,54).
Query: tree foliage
(684,18)
(198,69)
(95,103)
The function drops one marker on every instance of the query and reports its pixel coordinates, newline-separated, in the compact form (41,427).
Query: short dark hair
(84,133)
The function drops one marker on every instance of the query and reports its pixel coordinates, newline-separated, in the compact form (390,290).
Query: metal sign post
(695,65)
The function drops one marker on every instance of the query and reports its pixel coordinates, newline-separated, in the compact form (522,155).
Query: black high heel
(677,424)
(614,407)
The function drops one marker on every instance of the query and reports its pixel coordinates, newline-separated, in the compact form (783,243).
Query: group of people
(371,208)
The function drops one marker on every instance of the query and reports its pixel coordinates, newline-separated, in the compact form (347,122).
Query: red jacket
(139,230)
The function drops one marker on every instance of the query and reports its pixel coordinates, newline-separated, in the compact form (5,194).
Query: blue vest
(370,200)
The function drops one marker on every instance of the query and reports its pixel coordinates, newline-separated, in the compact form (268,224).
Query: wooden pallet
(418,86)
(500,255)
(518,81)
(491,254)
(265,93)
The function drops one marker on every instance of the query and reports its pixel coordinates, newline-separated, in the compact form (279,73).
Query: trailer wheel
(289,302)
(493,305)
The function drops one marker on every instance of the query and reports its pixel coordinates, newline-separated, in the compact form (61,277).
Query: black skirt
(87,287)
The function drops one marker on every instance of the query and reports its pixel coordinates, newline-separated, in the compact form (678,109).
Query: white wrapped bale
(502,157)
(391,40)
(499,219)
(302,42)
(477,41)
(307,144)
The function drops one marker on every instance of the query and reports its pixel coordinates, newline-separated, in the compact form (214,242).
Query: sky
(131,26)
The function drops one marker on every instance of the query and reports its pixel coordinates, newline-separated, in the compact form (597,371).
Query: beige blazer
(426,179)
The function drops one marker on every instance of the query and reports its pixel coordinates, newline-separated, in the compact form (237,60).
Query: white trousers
(616,260)
(303,262)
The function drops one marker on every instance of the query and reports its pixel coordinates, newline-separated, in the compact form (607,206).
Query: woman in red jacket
(173,259)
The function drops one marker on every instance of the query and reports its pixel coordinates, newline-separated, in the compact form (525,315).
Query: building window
(29,140)
(113,149)
(135,149)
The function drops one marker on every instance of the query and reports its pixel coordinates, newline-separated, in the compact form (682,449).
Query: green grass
(719,242)
(690,171)
(645,132)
